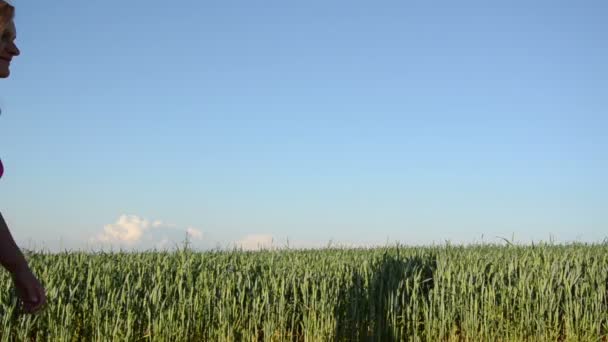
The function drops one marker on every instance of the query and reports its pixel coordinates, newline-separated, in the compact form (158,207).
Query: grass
(545,292)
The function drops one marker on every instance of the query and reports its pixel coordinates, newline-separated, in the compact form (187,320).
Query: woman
(29,289)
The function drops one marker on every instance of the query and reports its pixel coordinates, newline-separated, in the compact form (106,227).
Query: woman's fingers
(29,290)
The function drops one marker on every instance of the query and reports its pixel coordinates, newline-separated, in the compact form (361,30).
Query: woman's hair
(7,13)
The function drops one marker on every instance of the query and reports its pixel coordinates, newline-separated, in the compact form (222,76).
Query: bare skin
(30,291)
(8,49)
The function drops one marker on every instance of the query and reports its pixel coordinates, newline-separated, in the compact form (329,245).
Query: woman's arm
(10,255)
(29,290)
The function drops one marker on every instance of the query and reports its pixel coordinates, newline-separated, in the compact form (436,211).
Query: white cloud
(128,229)
(195,233)
(266,241)
(255,241)
(162,244)
(134,231)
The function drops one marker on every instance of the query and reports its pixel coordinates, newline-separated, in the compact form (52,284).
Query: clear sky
(129,123)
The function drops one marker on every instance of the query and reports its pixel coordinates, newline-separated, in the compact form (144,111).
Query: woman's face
(8,49)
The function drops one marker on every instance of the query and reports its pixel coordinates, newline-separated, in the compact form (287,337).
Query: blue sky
(131,123)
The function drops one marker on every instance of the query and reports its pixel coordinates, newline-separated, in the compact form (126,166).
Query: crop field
(543,292)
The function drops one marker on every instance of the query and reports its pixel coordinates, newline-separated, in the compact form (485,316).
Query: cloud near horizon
(255,241)
(133,231)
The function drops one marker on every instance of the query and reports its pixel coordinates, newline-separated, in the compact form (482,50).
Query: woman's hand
(30,291)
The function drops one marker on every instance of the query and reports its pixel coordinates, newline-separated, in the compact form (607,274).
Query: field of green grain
(444,293)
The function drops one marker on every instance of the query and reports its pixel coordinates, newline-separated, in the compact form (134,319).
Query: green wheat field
(486,292)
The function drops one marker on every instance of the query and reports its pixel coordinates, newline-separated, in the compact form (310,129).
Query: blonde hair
(7,13)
